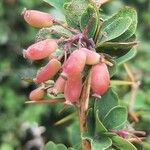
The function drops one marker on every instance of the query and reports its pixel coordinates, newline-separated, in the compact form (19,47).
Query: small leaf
(54,32)
(106,103)
(73,12)
(90,14)
(98,143)
(99,126)
(130,12)
(126,12)
(101,143)
(112,30)
(122,144)
(58,4)
(126,57)
(115,118)
(61,147)
(50,145)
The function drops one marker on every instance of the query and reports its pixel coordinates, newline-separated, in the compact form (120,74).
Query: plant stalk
(82,107)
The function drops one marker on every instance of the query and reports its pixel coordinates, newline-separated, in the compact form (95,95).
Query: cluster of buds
(67,69)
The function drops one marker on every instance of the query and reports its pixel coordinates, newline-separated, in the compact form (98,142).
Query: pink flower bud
(36,94)
(40,49)
(37,18)
(73,89)
(92,57)
(48,71)
(99,79)
(59,85)
(74,65)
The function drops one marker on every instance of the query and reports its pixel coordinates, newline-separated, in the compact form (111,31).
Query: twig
(65,119)
(82,111)
(134,88)
(47,101)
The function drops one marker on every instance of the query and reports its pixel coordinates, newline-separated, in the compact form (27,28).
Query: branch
(82,111)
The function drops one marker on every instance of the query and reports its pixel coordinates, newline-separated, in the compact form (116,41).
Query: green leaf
(74,11)
(90,122)
(112,69)
(99,126)
(126,12)
(90,16)
(130,12)
(115,118)
(126,57)
(114,28)
(58,4)
(101,143)
(50,145)
(106,103)
(61,147)
(52,32)
(122,144)
(116,45)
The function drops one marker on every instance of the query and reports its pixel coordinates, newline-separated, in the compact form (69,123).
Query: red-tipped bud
(37,94)
(40,49)
(92,57)
(38,19)
(75,64)
(59,85)
(48,71)
(73,89)
(99,79)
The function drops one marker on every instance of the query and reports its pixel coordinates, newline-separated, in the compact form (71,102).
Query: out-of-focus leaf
(57,3)
(52,146)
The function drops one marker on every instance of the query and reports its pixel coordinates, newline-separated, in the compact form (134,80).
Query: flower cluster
(67,70)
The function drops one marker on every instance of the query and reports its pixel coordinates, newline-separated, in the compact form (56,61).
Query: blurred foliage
(15,35)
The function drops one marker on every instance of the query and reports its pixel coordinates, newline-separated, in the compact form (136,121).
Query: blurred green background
(15,35)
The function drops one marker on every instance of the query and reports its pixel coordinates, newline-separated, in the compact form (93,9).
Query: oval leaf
(101,143)
(122,144)
(73,12)
(112,30)
(115,118)
(126,57)
(104,104)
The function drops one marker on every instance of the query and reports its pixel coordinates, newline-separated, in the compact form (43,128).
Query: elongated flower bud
(92,57)
(73,89)
(48,71)
(75,64)
(38,19)
(99,79)
(36,94)
(59,85)
(40,49)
